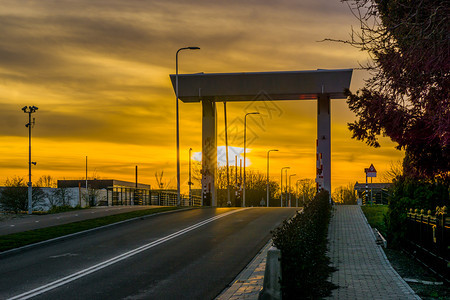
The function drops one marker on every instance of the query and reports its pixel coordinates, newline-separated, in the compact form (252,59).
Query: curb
(65,237)
(230,291)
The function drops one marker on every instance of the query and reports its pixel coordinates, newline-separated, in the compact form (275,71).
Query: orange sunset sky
(99,72)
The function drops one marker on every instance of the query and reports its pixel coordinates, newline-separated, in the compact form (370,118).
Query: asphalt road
(191,254)
(30,222)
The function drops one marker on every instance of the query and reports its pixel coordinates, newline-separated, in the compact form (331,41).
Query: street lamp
(245,148)
(178,121)
(190,181)
(290,188)
(296,197)
(29,110)
(281,185)
(268,175)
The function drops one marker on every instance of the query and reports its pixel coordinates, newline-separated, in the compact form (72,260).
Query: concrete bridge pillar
(323,155)
(209,152)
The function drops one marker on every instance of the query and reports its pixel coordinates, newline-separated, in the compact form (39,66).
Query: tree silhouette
(407,96)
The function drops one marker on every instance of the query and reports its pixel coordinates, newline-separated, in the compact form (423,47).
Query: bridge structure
(210,88)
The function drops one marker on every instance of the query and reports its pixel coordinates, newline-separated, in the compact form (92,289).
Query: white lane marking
(64,255)
(57,283)
(12,225)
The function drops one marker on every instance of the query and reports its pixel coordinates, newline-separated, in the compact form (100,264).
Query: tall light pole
(268,193)
(281,185)
(245,148)
(226,153)
(296,197)
(178,121)
(290,188)
(190,181)
(87,192)
(29,110)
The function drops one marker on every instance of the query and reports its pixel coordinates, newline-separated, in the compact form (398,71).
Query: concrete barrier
(272,276)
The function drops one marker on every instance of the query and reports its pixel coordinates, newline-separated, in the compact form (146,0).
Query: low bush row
(302,241)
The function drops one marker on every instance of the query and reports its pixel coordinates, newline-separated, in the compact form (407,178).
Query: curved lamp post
(245,149)
(178,122)
(190,180)
(296,197)
(268,193)
(290,188)
(281,185)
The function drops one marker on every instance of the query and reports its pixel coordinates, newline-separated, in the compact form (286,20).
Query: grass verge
(20,239)
(375,215)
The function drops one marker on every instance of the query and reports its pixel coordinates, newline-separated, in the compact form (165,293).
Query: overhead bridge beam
(322,85)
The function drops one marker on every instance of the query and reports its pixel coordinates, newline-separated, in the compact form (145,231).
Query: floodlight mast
(29,110)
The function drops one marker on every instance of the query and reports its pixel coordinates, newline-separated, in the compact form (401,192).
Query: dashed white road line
(57,283)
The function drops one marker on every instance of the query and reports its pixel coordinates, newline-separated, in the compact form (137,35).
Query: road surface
(191,254)
(29,222)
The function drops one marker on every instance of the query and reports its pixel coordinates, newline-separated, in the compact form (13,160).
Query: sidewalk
(363,272)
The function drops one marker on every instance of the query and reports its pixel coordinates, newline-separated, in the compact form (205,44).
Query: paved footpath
(364,272)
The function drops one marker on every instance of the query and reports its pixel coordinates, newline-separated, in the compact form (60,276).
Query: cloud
(98,71)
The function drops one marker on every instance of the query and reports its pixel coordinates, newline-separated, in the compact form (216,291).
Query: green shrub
(376,216)
(303,244)
(14,197)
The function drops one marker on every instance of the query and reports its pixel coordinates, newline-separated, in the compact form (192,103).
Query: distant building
(109,192)
(375,193)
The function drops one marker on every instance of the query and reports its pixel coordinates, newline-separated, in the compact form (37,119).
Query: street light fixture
(29,110)
(268,193)
(178,121)
(290,189)
(281,185)
(245,148)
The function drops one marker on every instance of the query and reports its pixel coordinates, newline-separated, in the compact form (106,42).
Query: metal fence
(168,198)
(428,236)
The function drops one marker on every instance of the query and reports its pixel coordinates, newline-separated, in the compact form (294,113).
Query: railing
(428,235)
(169,198)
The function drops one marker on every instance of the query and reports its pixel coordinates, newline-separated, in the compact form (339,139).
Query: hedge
(303,244)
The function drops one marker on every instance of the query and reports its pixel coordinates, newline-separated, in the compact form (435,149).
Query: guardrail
(428,235)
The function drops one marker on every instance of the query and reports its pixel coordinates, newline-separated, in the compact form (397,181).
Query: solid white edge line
(14,250)
(118,258)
